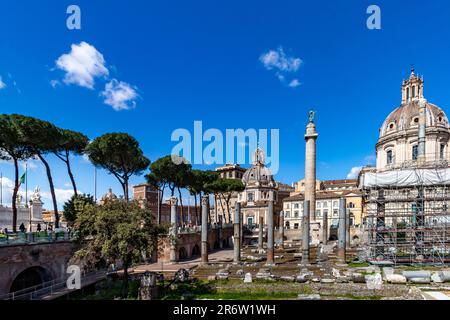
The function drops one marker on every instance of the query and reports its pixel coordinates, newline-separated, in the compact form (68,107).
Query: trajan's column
(310,174)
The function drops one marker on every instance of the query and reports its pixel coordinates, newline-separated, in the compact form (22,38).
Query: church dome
(258,174)
(109,196)
(406,116)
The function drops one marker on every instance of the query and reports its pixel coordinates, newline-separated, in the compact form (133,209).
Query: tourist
(22,228)
(38,227)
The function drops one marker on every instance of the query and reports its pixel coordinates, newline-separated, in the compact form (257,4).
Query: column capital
(205,200)
(173,201)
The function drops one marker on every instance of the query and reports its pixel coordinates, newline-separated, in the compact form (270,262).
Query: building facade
(187,215)
(219,212)
(328,194)
(408,192)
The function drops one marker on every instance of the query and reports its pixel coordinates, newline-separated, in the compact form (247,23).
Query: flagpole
(26,184)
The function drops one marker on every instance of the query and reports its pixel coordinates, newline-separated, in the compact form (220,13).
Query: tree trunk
(221,205)
(52,188)
(160,204)
(125,279)
(125,189)
(181,207)
(14,196)
(69,171)
(195,201)
(216,217)
(227,202)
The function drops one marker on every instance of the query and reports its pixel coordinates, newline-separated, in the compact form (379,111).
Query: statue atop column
(311,116)
(36,196)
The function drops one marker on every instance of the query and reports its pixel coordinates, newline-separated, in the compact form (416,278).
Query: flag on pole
(22,179)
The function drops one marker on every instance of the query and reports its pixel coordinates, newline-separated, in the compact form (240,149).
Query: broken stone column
(305,233)
(342,230)
(325,227)
(173,229)
(270,233)
(237,234)
(241,227)
(281,229)
(204,248)
(260,232)
(347,228)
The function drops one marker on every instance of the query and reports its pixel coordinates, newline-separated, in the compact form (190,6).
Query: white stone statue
(36,196)
(19,199)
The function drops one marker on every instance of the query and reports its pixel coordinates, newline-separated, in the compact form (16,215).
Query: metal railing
(35,237)
(52,287)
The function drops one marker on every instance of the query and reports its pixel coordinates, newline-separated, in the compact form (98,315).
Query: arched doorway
(30,277)
(182,253)
(195,251)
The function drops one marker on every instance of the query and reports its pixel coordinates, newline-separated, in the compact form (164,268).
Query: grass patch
(353,297)
(358,264)
(252,295)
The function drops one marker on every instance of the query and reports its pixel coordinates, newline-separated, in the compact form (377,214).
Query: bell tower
(412,89)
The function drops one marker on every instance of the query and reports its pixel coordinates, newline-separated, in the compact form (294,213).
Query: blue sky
(182,61)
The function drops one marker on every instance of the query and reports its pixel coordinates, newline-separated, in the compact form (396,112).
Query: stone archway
(195,251)
(182,253)
(30,277)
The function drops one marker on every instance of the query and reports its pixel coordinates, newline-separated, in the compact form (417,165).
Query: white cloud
(54,83)
(353,174)
(62,195)
(7,189)
(294,83)
(277,59)
(31,164)
(82,65)
(119,95)
(2,84)
(282,64)
(85,158)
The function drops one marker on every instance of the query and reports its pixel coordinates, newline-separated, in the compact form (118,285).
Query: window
(335,204)
(296,214)
(441,151)
(335,212)
(325,204)
(287,214)
(413,94)
(415,152)
(319,204)
(295,205)
(325,212)
(287,205)
(351,205)
(389,157)
(295,225)
(407,94)
(318,213)
(250,197)
(250,221)
(286,225)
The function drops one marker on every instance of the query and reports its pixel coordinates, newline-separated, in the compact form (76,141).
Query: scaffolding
(408,220)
